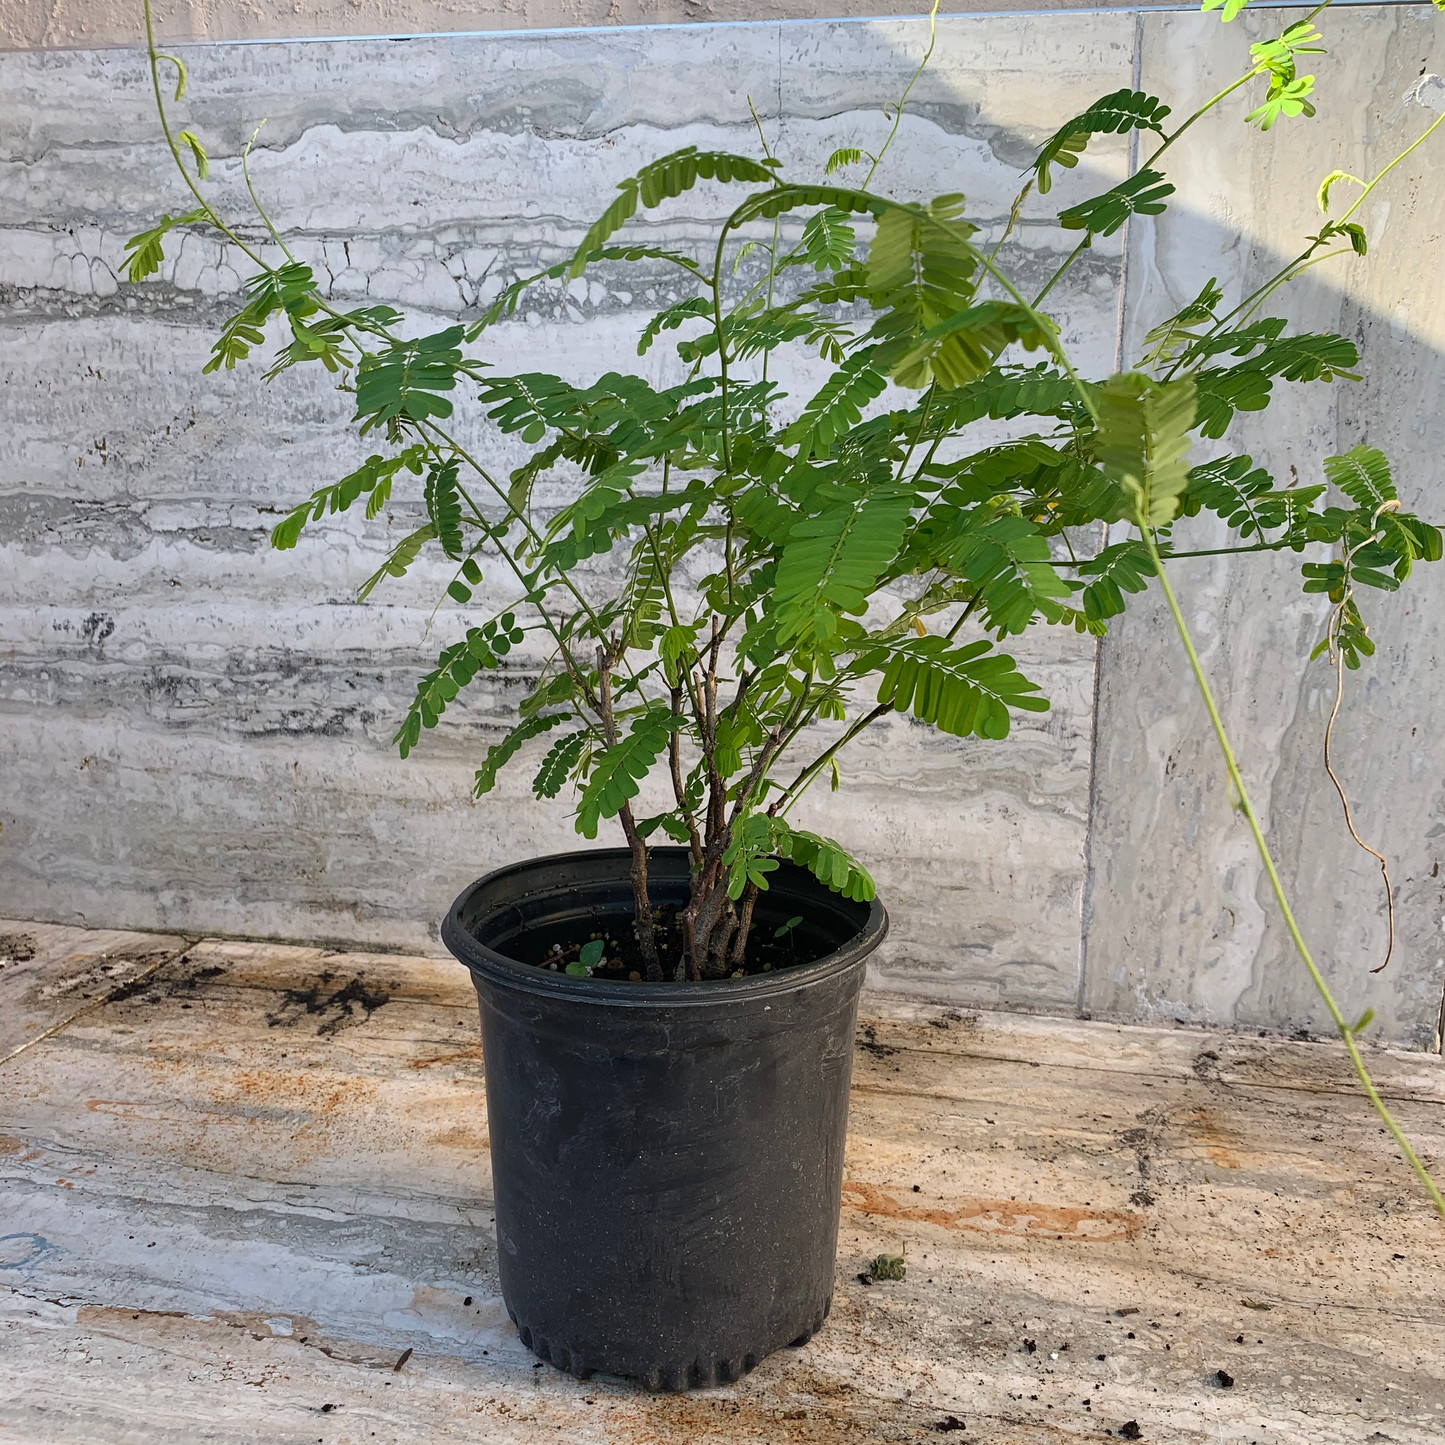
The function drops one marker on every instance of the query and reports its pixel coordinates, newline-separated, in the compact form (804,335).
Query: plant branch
(1339,666)
(799,785)
(898,109)
(1346,1032)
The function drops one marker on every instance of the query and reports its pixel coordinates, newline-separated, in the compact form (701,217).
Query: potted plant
(667,1025)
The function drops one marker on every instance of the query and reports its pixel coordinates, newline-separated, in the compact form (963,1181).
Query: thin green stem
(722,350)
(1013,216)
(773,250)
(176,150)
(1360,199)
(898,109)
(256,200)
(799,785)
(1207,552)
(1346,1032)
(1297,268)
(918,433)
(1068,261)
(1203,111)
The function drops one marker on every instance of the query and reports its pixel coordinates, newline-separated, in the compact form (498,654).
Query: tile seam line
(597,31)
(1121,316)
(109,996)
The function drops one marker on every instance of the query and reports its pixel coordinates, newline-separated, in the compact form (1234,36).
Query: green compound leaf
(198,152)
(403,555)
(146,252)
(670,319)
(456,667)
(1363,475)
(1288,99)
(289,288)
(966,691)
(1141,195)
(1279,57)
(1143,441)
(831,563)
(403,380)
(444,507)
(500,754)
(838,407)
(828,240)
(1008,562)
(662,180)
(1245,496)
(373,475)
(1334,178)
(1120,568)
(615,772)
(829,862)
(562,758)
(923,274)
(1115,114)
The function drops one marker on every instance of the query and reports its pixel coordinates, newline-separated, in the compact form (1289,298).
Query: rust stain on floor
(471,1055)
(1003,1216)
(1217,1144)
(461,1137)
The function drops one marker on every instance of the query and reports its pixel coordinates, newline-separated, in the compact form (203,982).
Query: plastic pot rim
(528,978)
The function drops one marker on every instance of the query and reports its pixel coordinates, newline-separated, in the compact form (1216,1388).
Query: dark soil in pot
(667,1158)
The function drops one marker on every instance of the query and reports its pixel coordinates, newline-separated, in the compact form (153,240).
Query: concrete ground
(244,1196)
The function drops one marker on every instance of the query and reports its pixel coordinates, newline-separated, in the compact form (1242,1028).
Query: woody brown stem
(745,922)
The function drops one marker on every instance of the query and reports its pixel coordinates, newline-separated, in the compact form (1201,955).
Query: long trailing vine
(778,562)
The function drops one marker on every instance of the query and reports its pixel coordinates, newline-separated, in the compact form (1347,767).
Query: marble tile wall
(194,729)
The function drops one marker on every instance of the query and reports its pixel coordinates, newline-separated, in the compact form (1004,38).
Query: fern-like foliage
(455,668)
(1143,442)
(500,754)
(399,562)
(146,250)
(562,760)
(616,772)
(828,240)
(922,272)
(966,691)
(759,841)
(1115,114)
(1363,475)
(772,560)
(405,380)
(1141,195)
(373,475)
(444,505)
(670,318)
(662,180)
(1006,561)
(1119,568)
(831,563)
(830,863)
(838,407)
(1246,497)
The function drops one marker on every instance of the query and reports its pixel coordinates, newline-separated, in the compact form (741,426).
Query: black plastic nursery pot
(667,1159)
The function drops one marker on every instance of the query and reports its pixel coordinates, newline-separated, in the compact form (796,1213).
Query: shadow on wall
(212,751)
